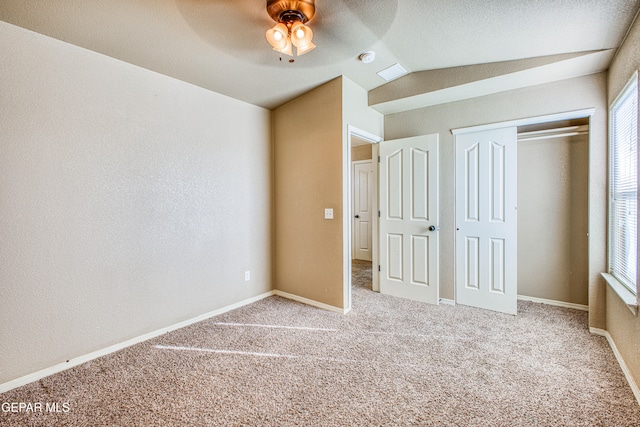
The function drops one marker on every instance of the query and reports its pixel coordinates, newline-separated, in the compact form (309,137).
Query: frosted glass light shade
(301,35)
(301,50)
(277,36)
(287,49)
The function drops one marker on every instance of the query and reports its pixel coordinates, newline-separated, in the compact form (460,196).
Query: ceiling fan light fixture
(277,36)
(301,35)
(288,49)
(295,10)
(291,17)
(301,50)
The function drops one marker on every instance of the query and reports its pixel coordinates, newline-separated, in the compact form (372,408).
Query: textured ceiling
(220,44)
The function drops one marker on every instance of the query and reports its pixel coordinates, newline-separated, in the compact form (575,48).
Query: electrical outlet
(247,276)
(328,213)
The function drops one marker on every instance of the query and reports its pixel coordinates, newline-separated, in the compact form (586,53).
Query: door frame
(577,114)
(347,208)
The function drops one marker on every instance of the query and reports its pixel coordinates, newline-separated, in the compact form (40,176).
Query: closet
(553,180)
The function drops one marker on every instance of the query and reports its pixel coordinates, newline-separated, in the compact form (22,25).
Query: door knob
(432,228)
(357,216)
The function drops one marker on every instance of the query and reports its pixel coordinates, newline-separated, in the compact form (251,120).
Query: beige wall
(553,184)
(130,201)
(307,134)
(423,82)
(361,152)
(562,96)
(623,326)
(311,144)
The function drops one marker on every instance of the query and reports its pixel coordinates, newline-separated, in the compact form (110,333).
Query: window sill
(625,294)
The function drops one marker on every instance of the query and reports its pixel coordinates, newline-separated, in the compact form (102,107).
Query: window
(623,187)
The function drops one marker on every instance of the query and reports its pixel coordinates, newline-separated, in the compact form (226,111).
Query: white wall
(129,201)
(356,110)
(356,113)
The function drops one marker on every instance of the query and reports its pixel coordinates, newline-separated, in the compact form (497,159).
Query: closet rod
(554,133)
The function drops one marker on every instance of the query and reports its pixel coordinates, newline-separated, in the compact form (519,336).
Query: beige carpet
(389,362)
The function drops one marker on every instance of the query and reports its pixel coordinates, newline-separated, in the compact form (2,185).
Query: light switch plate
(328,213)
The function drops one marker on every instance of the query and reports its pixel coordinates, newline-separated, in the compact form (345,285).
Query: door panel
(393,173)
(497,266)
(408,207)
(395,260)
(471,260)
(486,219)
(418,182)
(472,181)
(497,185)
(420,251)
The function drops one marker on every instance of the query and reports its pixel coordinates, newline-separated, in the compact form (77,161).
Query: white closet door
(486,219)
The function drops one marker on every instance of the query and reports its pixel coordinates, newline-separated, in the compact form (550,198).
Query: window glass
(623,186)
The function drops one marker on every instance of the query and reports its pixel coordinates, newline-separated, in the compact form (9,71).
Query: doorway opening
(363,212)
(360,221)
(553,209)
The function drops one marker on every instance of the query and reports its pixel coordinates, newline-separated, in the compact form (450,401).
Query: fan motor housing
(291,10)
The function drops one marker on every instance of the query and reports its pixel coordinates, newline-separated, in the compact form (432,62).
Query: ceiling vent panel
(393,72)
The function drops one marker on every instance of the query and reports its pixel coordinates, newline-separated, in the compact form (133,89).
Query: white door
(486,219)
(362,209)
(409,218)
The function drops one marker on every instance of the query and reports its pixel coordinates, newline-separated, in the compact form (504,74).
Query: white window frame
(623,280)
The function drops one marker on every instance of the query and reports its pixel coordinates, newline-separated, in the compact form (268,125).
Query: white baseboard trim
(445,301)
(621,362)
(554,302)
(311,302)
(18,382)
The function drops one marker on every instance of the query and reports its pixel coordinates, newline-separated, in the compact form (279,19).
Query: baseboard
(18,382)
(311,302)
(621,362)
(445,301)
(554,302)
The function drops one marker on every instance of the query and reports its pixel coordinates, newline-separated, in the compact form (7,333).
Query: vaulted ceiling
(221,45)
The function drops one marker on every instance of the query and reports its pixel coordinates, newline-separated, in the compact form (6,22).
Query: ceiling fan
(291,17)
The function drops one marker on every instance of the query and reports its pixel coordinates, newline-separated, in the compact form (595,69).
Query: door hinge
(378,159)
(378,214)
(378,268)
